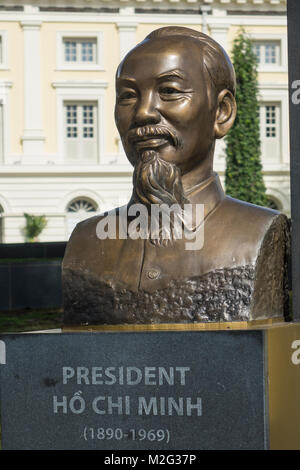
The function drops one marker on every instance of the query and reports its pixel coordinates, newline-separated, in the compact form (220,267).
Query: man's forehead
(166,51)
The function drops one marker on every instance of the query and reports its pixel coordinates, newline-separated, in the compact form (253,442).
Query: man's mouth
(149,137)
(150,141)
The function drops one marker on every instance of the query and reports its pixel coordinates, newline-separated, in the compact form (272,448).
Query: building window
(271,121)
(80,120)
(81,140)
(82,206)
(80,51)
(77,210)
(267,53)
(3,50)
(270,131)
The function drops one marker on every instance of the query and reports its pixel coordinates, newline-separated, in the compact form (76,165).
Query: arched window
(1,224)
(79,209)
(274,204)
(82,206)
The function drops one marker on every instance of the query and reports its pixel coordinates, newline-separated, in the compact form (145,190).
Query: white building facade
(60,153)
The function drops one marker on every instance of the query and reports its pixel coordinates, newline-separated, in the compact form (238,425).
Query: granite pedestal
(152,390)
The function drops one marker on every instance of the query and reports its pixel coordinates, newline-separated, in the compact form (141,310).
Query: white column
(4,131)
(127,37)
(127,40)
(219,33)
(33,137)
(205,9)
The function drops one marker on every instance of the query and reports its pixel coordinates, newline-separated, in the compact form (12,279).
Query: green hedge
(243,177)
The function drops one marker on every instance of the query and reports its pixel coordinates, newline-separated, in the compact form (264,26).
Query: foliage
(243,176)
(30,320)
(35,224)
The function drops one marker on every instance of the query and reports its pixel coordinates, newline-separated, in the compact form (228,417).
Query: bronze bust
(175,97)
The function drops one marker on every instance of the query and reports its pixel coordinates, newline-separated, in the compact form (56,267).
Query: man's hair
(215,59)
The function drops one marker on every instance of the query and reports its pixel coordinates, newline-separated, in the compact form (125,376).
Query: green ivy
(35,224)
(243,176)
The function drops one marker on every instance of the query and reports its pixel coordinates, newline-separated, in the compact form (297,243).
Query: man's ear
(225,114)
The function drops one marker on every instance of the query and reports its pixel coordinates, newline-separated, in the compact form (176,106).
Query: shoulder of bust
(245,209)
(237,231)
(244,216)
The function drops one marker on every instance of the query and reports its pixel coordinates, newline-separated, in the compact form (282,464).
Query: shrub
(35,224)
(243,176)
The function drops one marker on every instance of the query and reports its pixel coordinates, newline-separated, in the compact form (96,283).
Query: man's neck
(201,172)
(196,176)
(208,192)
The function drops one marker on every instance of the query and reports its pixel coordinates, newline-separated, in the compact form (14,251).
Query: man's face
(164,103)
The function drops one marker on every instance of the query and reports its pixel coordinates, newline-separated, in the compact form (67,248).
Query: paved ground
(54,330)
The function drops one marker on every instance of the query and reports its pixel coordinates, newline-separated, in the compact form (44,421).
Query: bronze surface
(174,98)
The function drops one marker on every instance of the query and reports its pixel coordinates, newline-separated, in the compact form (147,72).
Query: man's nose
(147,111)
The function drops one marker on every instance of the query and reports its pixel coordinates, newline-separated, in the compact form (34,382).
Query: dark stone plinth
(293,14)
(202,390)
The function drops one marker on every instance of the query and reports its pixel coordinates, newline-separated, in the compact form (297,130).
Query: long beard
(156,181)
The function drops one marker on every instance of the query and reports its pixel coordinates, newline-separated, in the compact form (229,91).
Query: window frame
(275,116)
(4,51)
(278,54)
(81,91)
(278,94)
(5,86)
(277,125)
(62,64)
(79,50)
(281,39)
(80,128)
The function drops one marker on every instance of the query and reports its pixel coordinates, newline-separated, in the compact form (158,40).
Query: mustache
(139,133)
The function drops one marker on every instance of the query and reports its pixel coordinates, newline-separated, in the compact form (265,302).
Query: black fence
(32,250)
(30,275)
(32,284)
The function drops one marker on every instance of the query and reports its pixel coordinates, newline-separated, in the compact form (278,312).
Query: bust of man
(175,97)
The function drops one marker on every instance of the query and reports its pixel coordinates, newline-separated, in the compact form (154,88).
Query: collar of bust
(209,192)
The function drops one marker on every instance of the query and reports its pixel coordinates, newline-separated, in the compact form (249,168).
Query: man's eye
(169,91)
(127,95)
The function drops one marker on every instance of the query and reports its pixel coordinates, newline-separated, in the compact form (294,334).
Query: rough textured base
(222,295)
